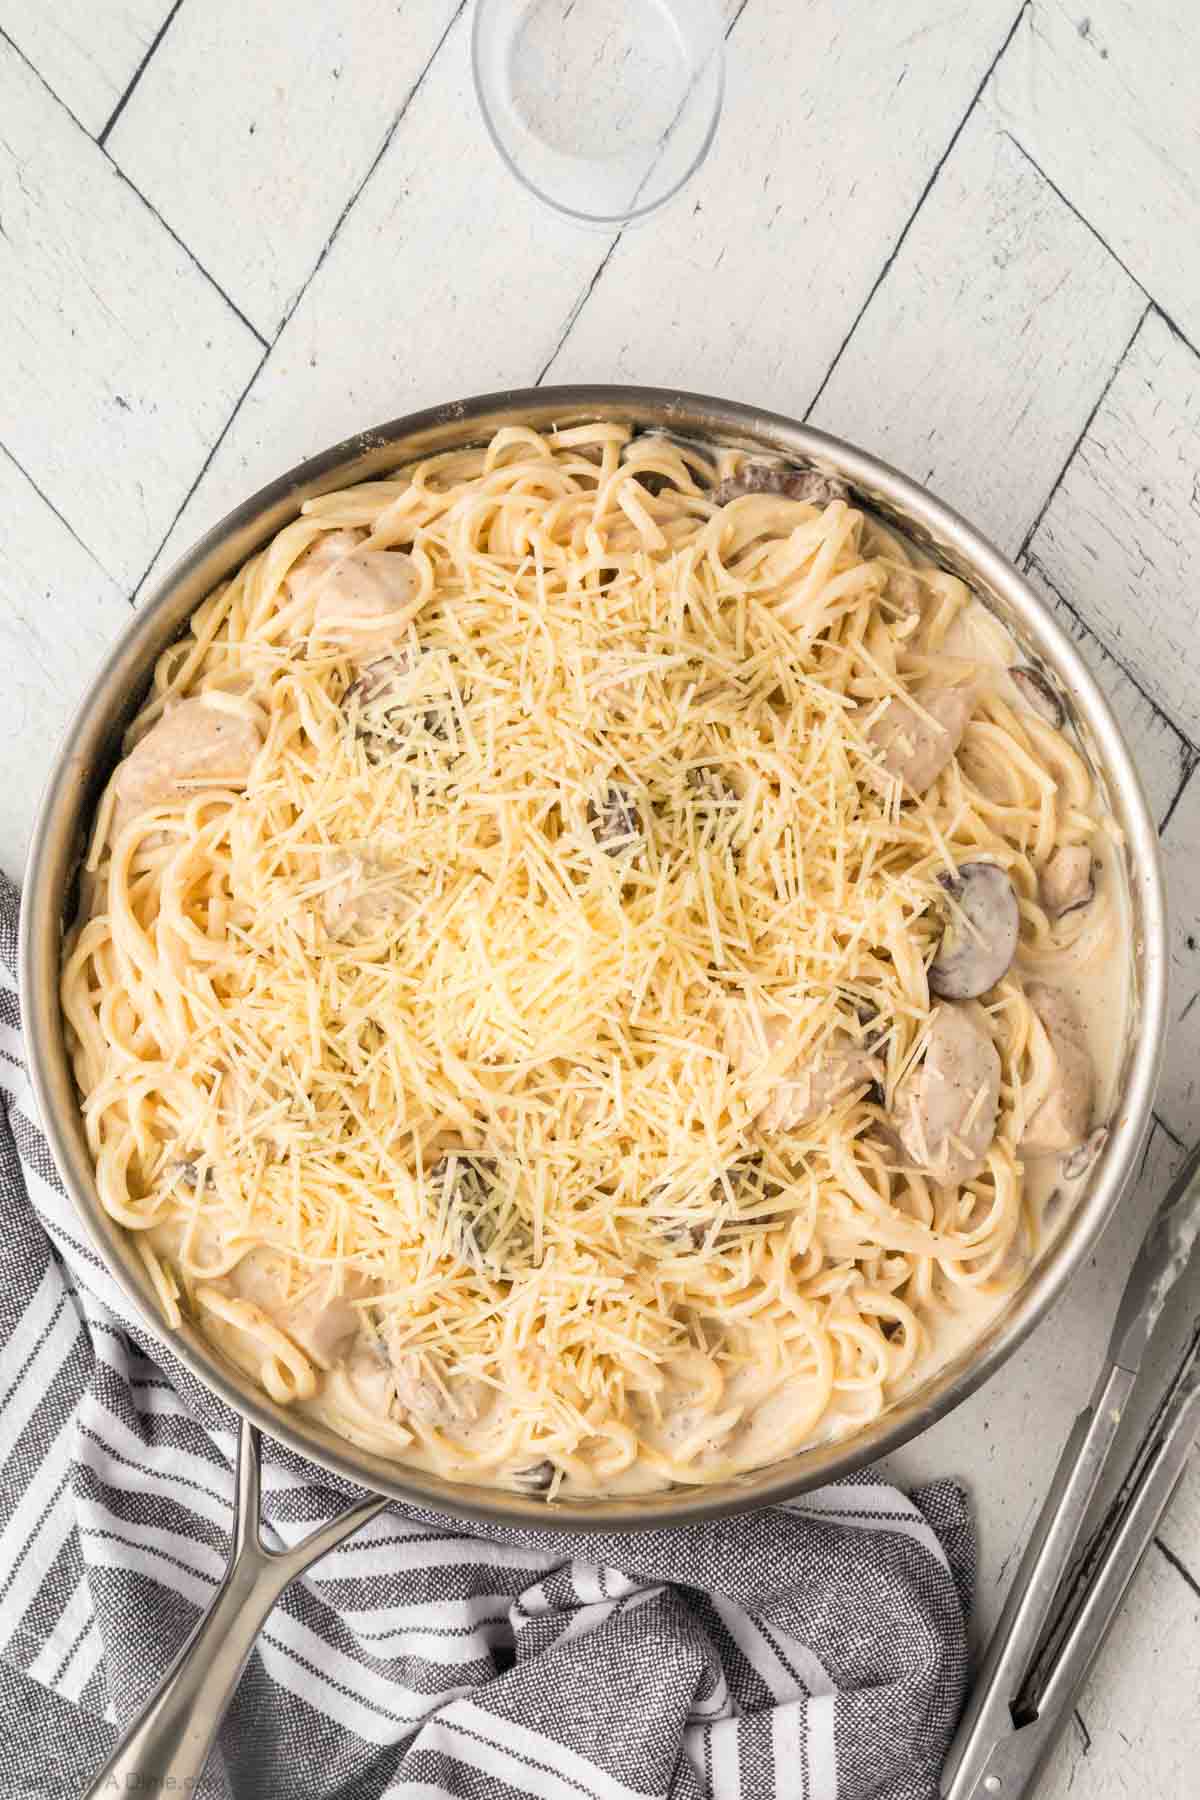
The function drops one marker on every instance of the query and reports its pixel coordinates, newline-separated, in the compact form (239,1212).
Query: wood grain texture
(1104,94)
(280,156)
(836,117)
(1121,536)
(58,612)
(1180,1531)
(87,51)
(119,362)
(979,359)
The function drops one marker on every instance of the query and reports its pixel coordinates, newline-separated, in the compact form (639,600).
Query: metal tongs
(1051,1629)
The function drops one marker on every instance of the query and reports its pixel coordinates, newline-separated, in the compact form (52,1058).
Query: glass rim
(631,214)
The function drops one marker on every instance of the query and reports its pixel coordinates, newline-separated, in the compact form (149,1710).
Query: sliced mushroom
(187,1171)
(396,709)
(1067,883)
(429,1394)
(1078,1162)
(365,896)
(946,1105)
(809,485)
(752,1189)
(980,938)
(1038,695)
(197,744)
(616,822)
(365,603)
(805,1091)
(479,1213)
(714,801)
(379,681)
(915,746)
(538,1478)
(1060,1122)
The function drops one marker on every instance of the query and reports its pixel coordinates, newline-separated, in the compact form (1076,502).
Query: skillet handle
(167,1746)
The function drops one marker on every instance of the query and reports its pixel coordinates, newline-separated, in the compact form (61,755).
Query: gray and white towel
(815,1650)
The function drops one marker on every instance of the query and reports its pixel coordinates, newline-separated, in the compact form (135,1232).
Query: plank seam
(923,196)
(155,41)
(585,296)
(578,307)
(41,79)
(64,522)
(1166,1130)
(234,308)
(1102,241)
(200,473)
(1073,452)
(1179,793)
(375,162)
(1029,560)
(1179,1567)
(300,292)
(120,173)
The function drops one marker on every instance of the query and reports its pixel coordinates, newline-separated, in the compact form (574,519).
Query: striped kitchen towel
(815,1650)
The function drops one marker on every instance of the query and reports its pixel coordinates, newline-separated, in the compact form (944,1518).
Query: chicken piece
(369,1373)
(323,1325)
(805,1090)
(310,569)
(946,1105)
(365,896)
(195,745)
(1066,882)
(365,603)
(430,1395)
(913,749)
(1062,1119)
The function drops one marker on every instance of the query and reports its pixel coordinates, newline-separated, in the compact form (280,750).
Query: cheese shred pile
(458,1062)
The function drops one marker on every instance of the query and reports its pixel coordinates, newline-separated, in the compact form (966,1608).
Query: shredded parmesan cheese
(437,1000)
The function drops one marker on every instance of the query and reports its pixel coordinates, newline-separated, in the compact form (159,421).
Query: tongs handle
(971,1771)
(167,1746)
(996,1752)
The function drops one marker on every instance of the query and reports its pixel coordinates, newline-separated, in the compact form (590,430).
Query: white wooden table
(964,236)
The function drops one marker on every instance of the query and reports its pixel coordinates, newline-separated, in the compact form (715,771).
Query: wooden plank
(1181,1528)
(290,150)
(119,362)
(979,359)
(1179,1094)
(1104,95)
(59,610)
(87,51)
(835,119)
(1162,755)
(1136,1729)
(453,308)
(1121,536)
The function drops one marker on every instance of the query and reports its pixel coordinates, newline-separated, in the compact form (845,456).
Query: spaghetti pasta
(501,1000)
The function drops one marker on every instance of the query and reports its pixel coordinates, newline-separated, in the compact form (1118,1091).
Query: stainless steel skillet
(90,748)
